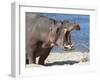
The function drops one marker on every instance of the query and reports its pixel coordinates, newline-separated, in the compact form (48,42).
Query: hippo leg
(27,61)
(32,55)
(42,59)
(45,53)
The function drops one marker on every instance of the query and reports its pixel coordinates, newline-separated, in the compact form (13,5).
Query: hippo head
(60,34)
(64,39)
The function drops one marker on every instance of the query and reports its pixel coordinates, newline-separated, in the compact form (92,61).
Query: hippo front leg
(42,59)
(45,52)
(32,56)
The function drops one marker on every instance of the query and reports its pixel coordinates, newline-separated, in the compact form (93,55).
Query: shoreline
(64,58)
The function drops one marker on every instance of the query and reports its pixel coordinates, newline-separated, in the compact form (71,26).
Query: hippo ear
(55,27)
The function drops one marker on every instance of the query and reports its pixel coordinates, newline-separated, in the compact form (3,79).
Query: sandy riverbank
(65,58)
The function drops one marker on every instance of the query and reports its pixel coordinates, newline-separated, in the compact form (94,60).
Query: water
(80,39)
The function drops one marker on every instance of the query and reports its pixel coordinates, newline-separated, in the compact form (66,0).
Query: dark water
(80,39)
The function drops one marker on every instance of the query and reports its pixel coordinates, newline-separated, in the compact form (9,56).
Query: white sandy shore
(65,58)
(75,56)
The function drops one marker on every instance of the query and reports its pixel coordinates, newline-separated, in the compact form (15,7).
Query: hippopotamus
(44,52)
(70,27)
(43,33)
